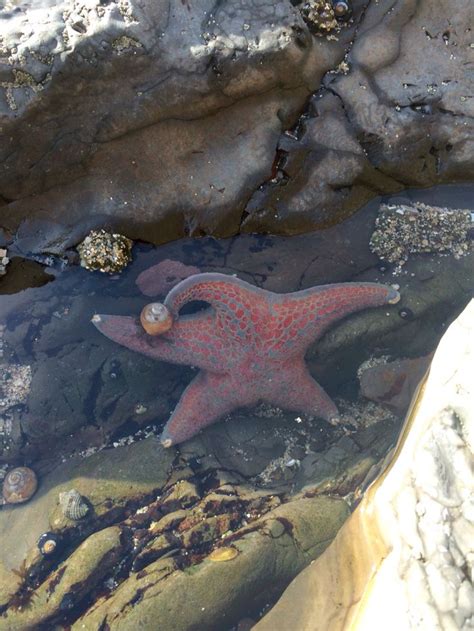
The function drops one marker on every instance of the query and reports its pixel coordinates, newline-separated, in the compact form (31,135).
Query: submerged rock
(400,560)
(67,585)
(268,554)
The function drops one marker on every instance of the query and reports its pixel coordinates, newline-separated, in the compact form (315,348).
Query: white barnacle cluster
(105,251)
(4,260)
(402,230)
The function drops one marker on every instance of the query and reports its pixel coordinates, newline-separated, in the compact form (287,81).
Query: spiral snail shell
(156,319)
(73,505)
(341,8)
(48,543)
(19,485)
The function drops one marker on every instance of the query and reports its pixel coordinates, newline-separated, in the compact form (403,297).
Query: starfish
(250,345)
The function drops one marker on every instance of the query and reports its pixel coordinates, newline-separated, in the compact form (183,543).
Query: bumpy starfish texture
(249,345)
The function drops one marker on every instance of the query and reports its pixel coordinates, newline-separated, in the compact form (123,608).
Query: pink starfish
(250,345)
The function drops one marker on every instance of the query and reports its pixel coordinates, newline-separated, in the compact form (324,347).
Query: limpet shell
(223,554)
(73,504)
(156,319)
(19,485)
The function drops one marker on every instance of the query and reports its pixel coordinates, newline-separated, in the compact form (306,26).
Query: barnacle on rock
(319,16)
(105,251)
(4,260)
(401,230)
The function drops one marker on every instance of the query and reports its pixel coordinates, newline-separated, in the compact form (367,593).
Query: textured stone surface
(149,111)
(402,560)
(210,595)
(107,479)
(401,116)
(165,120)
(66,587)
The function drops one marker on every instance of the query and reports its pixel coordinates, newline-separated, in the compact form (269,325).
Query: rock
(219,592)
(109,480)
(383,124)
(197,95)
(154,550)
(393,383)
(9,583)
(66,587)
(167,122)
(183,494)
(400,560)
(206,529)
(168,522)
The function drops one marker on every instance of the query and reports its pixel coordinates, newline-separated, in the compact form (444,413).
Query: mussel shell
(19,485)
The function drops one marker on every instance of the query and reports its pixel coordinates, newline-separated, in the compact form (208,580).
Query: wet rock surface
(155,518)
(403,558)
(172,120)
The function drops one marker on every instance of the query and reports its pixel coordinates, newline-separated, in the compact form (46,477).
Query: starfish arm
(189,342)
(304,316)
(295,389)
(234,301)
(208,397)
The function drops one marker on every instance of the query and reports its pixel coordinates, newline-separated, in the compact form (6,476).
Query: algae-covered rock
(9,582)
(214,594)
(65,587)
(108,479)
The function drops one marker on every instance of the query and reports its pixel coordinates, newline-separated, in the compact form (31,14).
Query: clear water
(67,390)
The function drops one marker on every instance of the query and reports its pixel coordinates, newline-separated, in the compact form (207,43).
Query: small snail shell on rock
(73,505)
(341,8)
(19,485)
(48,543)
(156,319)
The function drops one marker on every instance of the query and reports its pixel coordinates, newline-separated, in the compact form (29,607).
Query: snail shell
(48,543)
(73,505)
(19,485)
(155,318)
(341,8)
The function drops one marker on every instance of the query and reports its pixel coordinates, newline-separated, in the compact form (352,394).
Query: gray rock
(190,97)
(213,595)
(166,122)
(66,587)
(399,116)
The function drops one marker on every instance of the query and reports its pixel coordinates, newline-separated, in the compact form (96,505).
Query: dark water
(67,390)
